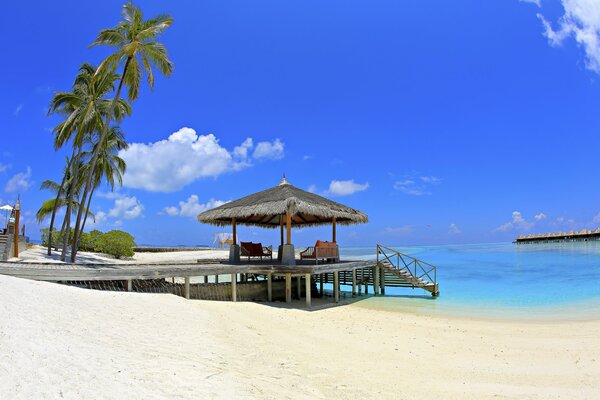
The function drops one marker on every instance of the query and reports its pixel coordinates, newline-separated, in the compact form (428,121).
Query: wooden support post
(336,287)
(187,287)
(16,230)
(233,287)
(299,287)
(234,231)
(270,287)
(129,285)
(205,278)
(288,287)
(382,280)
(353,283)
(308,288)
(333,233)
(288,223)
(376,280)
(216,278)
(364,272)
(281,228)
(321,284)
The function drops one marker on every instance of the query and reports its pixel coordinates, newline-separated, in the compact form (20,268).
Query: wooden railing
(418,269)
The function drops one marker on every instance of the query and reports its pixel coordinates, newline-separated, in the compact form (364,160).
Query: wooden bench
(321,251)
(249,249)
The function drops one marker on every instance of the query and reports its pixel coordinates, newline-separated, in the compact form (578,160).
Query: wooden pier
(584,235)
(391,269)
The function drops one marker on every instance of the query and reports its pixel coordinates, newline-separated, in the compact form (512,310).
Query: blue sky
(445,122)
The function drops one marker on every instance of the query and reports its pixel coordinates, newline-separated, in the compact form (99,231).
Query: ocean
(549,281)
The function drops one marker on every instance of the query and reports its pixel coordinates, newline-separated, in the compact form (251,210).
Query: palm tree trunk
(55,208)
(87,209)
(61,233)
(94,160)
(63,255)
(71,193)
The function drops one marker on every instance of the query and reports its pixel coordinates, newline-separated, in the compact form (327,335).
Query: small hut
(284,206)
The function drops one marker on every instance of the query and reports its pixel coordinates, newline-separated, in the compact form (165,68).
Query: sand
(65,342)
(37,253)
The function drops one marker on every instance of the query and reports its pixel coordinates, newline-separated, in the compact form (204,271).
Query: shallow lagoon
(559,281)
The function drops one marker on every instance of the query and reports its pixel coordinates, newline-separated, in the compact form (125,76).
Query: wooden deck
(91,272)
(391,268)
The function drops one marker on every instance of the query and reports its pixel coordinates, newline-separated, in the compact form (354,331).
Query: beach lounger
(321,251)
(249,249)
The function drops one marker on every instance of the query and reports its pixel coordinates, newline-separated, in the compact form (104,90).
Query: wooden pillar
(234,231)
(205,278)
(333,232)
(129,285)
(382,280)
(288,224)
(376,281)
(288,287)
(308,288)
(364,272)
(216,278)
(270,287)
(233,287)
(336,287)
(321,284)
(281,228)
(353,283)
(187,287)
(16,230)
(299,287)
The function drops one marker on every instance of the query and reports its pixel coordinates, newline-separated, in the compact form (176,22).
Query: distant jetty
(584,235)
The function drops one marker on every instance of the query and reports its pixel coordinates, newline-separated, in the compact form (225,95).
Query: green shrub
(88,241)
(116,243)
(57,240)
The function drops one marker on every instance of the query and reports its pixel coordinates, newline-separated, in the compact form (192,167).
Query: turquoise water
(546,280)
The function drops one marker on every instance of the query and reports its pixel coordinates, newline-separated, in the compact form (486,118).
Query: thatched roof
(268,207)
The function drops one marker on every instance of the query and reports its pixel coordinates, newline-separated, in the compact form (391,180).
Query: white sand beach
(65,342)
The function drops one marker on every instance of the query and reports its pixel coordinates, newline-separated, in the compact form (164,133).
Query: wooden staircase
(406,271)
(4,247)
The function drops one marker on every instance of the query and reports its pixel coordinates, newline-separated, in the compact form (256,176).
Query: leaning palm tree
(136,48)
(110,166)
(84,109)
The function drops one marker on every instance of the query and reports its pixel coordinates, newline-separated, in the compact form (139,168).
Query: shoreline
(66,341)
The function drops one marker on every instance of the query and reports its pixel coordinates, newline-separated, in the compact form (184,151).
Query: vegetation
(136,49)
(89,241)
(116,243)
(91,112)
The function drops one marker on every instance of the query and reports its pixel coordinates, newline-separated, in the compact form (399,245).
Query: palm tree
(134,40)
(50,206)
(84,108)
(110,166)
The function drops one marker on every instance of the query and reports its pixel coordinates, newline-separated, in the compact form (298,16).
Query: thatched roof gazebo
(279,206)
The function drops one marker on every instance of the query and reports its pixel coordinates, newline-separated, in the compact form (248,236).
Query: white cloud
(581,20)
(192,207)
(519,223)
(345,188)
(126,207)
(454,229)
(417,186)
(269,150)
(540,217)
(170,164)
(4,167)
(306,157)
(19,182)
(18,110)
(596,219)
(536,2)
(312,189)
